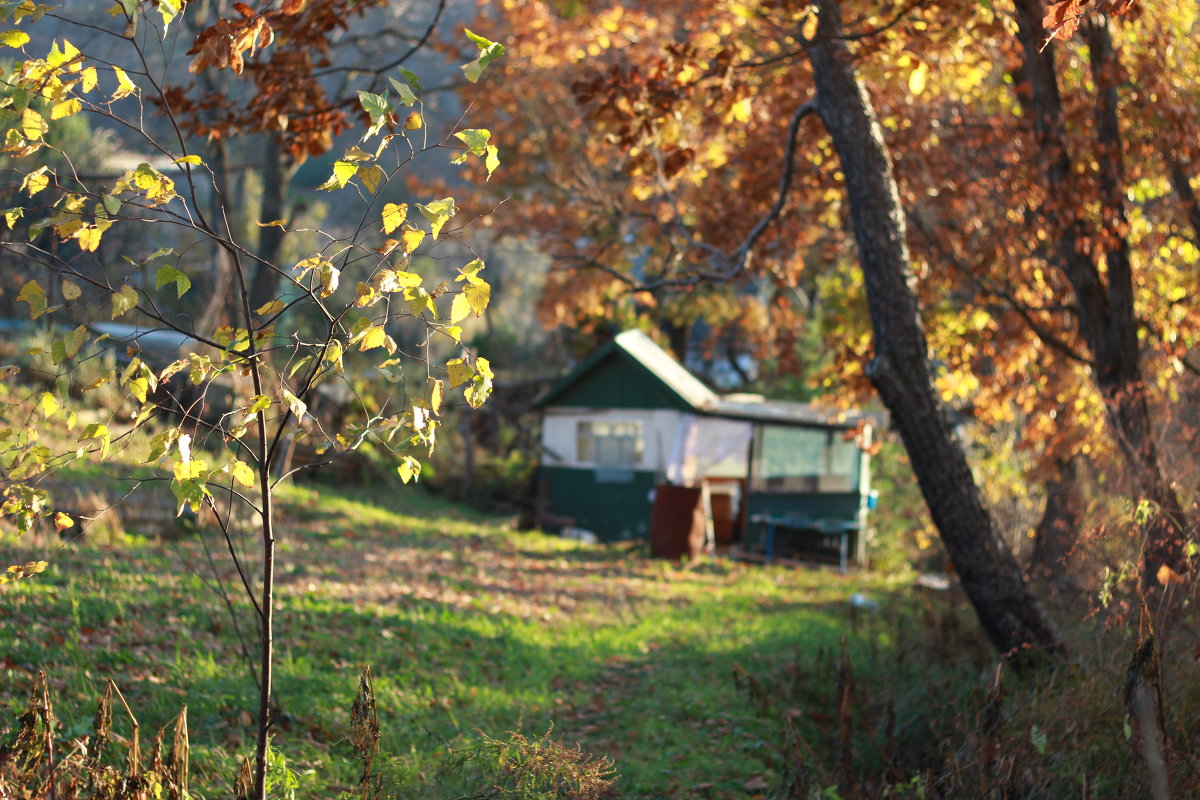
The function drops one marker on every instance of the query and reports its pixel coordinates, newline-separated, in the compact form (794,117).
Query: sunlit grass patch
(467,624)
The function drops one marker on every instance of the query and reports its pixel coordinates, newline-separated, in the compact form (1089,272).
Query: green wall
(615,510)
(619,382)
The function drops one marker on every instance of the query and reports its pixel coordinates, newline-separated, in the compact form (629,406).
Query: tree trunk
(276,174)
(900,369)
(1058,530)
(1104,301)
(1182,185)
(221,304)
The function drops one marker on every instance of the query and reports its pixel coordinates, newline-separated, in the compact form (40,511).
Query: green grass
(467,625)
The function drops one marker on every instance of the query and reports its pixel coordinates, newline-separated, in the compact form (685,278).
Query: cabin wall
(560,436)
(613,503)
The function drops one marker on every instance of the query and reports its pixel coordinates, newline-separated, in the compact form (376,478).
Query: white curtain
(705,444)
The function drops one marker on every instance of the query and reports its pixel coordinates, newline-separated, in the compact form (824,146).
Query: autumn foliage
(280,51)
(1047,179)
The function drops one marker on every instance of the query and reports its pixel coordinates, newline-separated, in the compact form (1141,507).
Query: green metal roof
(631,371)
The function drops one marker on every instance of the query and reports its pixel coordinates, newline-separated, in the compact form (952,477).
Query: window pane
(804,460)
(611,445)
(583,441)
(843,458)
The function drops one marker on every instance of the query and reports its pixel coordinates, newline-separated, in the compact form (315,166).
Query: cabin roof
(632,371)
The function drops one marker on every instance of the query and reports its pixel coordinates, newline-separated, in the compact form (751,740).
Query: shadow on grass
(656,694)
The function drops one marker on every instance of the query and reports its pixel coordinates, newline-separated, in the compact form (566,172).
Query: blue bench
(840,529)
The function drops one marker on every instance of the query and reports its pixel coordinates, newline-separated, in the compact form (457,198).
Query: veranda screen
(804,460)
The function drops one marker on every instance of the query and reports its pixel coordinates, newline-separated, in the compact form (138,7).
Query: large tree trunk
(900,369)
(1104,301)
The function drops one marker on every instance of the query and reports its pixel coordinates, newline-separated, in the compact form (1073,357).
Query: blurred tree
(669,162)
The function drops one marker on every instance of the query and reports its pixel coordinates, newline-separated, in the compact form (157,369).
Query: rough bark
(900,368)
(1104,302)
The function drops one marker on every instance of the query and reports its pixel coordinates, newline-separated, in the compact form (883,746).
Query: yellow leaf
(33,126)
(123,300)
(916,78)
(329,275)
(88,79)
(372,337)
(14,38)
(333,354)
(393,216)
(36,181)
(411,239)
(741,110)
(460,309)
(414,122)
(404,280)
(48,405)
(18,571)
(356,154)
(66,108)
(269,308)
(365,295)
(481,384)
(88,238)
(478,295)
(157,186)
(297,406)
(62,521)
(371,175)
(438,213)
(125,86)
(242,473)
(470,272)
(343,171)
(409,469)
(70,291)
(809,29)
(458,371)
(33,294)
(192,159)
(64,55)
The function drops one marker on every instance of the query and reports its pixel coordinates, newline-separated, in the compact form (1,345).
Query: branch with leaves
(87,250)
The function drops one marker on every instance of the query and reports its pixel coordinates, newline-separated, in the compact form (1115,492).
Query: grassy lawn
(467,625)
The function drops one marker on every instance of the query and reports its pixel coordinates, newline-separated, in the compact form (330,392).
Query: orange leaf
(1166,576)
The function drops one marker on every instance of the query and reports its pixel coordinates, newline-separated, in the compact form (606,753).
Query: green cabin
(630,427)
